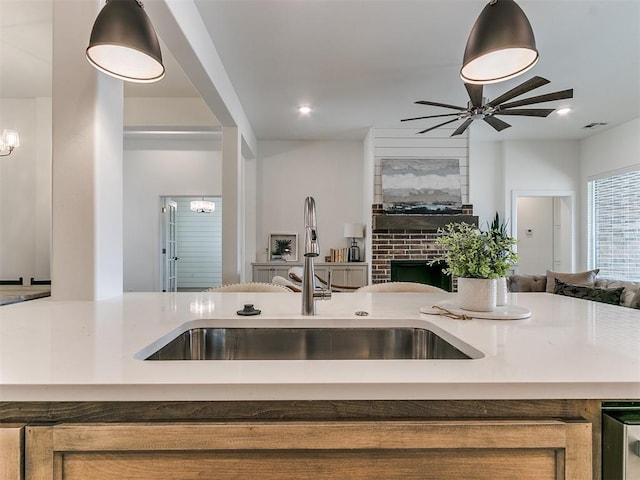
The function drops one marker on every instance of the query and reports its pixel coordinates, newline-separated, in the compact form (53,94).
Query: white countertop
(76,351)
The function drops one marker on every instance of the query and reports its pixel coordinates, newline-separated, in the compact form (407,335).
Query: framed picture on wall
(283,247)
(421,186)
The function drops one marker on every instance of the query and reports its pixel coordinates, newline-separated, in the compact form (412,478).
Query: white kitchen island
(568,348)
(532,383)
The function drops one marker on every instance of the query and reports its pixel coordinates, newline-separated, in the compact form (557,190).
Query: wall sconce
(501,44)
(353,231)
(8,142)
(202,206)
(124,44)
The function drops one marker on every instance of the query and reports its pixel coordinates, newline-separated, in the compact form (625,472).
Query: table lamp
(353,231)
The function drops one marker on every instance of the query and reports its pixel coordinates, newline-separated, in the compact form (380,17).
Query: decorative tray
(452,308)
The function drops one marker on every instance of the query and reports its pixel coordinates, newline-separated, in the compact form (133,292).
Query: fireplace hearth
(421,271)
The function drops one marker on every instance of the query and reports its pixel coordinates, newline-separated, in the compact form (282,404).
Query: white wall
(178,168)
(173,111)
(404,143)
(486,180)
(497,169)
(289,171)
(25,191)
(540,165)
(43,186)
(610,150)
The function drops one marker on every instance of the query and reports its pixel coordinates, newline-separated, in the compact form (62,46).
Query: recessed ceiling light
(563,111)
(304,109)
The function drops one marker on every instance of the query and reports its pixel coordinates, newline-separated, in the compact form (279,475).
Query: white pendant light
(124,43)
(501,45)
(202,206)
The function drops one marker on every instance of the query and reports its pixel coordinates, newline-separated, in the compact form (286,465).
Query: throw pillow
(604,295)
(635,301)
(527,283)
(586,279)
(630,289)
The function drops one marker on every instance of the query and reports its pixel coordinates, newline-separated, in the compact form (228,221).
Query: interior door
(537,241)
(542,223)
(169,249)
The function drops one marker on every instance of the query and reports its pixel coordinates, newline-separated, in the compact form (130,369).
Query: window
(614,224)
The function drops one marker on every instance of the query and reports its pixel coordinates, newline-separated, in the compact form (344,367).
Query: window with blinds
(614,224)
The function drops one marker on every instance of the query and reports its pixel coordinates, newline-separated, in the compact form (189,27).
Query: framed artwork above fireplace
(421,186)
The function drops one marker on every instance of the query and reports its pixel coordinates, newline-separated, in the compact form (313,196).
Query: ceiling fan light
(501,45)
(124,44)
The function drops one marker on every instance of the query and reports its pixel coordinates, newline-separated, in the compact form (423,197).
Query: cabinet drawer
(385,450)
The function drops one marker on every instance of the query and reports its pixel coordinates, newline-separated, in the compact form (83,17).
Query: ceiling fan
(478,108)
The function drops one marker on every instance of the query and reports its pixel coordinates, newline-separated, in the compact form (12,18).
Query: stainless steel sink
(231,343)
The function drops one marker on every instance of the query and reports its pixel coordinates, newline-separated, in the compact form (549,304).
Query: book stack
(337,255)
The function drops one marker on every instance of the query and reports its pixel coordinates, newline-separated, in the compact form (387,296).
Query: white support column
(87,199)
(232,201)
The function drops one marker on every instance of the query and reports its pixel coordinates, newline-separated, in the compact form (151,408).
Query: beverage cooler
(621,441)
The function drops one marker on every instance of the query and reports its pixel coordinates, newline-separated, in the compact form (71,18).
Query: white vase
(477,294)
(501,291)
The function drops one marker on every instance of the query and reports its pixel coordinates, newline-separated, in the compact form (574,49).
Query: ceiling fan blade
(475,93)
(496,123)
(521,89)
(462,127)
(439,125)
(526,112)
(548,97)
(430,116)
(436,104)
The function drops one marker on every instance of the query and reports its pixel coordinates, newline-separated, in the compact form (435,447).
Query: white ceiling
(26,33)
(362,63)
(25,48)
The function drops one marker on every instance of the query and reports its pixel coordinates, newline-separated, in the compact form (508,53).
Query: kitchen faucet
(311,250)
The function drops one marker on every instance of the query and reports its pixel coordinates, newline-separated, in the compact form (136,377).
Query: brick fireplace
(408,237)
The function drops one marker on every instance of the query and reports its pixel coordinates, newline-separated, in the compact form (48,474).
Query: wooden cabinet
(349,275)
(264,272)
(344,274)
(11,451)
(288,450)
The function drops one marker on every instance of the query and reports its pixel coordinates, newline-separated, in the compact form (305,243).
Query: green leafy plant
(473,253)
(497,227)
(283,247)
